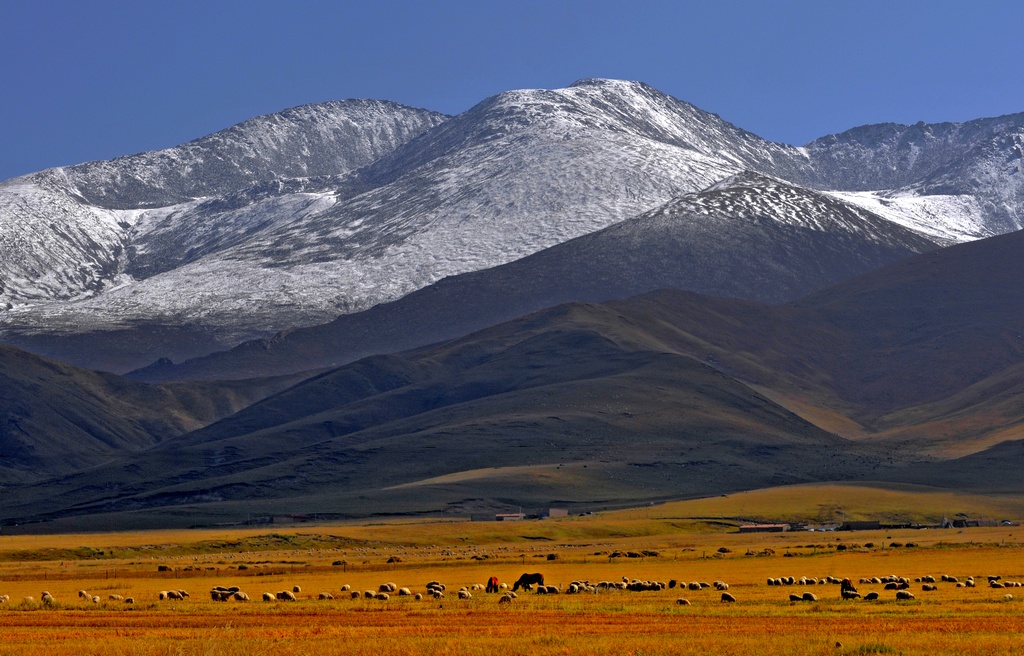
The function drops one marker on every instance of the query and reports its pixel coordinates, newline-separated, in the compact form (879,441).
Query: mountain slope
(572,403)
(68,232)
(749,237)
(55,418)
(518,173)
(664,395)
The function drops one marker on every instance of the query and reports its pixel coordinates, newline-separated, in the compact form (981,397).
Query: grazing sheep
(163,595)
(871,596)
(795,597)
(96,599)
(47,599)
(185,594)
(928,587)
(418,597)
(464,594)
(129,600)
(505,599)
(1007,597)
(404,592)
(995,584)
(325,596)
(356,594)
(683,602)
(4,599)
(174,594)
(286,595)
(728,597)
(28,600)
(383,596)
(241,596)
(693,585)
(809,596)
(346,587)
(904,595)
(82,594)
(296,589)
(721,585)
(269,596)
(115,597)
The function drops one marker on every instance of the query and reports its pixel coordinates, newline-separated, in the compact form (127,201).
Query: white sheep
(269,596)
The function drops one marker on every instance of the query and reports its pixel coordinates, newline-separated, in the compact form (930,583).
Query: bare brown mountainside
(572,403)
(57,418)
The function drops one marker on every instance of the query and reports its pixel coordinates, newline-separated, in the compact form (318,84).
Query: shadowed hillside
(55,418)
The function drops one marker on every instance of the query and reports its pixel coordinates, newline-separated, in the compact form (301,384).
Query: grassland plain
(694,541)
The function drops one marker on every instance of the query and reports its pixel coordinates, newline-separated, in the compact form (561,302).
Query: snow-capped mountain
(70,232)
(518,173)
(295,218)
(954,180)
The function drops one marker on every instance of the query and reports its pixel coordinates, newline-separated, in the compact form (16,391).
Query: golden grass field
(687,537)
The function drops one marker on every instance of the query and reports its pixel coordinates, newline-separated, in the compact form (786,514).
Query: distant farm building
(509,517)
(764,528)
(558,512)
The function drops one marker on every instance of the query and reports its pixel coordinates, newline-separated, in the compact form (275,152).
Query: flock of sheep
(436,590)
(899,584)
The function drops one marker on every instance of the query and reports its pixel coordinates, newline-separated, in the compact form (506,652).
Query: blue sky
(93,79)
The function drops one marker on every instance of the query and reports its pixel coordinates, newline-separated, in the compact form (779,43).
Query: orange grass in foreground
(486,629)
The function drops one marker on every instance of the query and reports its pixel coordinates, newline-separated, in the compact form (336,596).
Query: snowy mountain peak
(294,218)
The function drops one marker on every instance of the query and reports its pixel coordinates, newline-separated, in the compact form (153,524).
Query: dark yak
(527,580)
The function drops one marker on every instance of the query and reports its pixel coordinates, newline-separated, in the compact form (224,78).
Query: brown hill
(571,404)
(56,419)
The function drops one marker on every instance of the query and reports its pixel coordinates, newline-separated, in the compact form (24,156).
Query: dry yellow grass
(763,621)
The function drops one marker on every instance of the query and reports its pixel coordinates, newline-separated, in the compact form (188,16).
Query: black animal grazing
(527,580)
(847,591)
